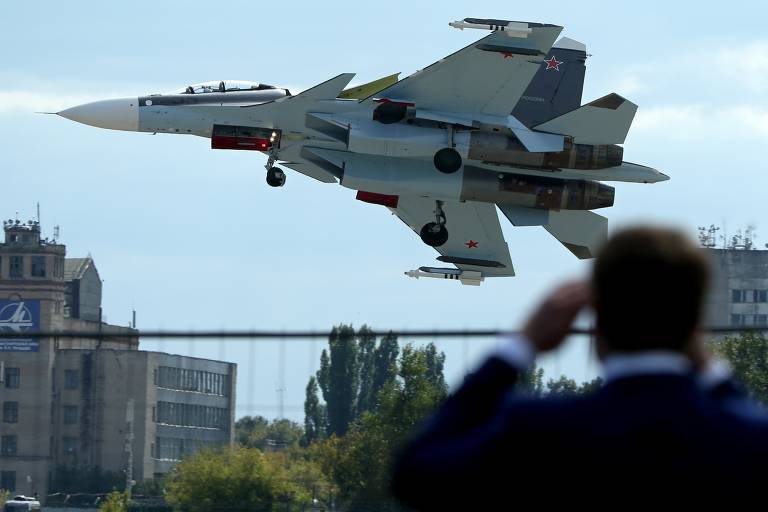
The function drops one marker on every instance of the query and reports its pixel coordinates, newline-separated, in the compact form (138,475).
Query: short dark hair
(649,285)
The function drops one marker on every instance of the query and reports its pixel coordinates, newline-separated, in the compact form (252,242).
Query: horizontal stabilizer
(522,216)
(582,232)
(603,121)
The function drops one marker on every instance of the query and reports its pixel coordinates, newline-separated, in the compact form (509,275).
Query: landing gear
(275,177)
(434,233)
(447,160)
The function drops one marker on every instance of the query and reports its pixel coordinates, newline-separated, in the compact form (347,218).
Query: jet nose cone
(118,114)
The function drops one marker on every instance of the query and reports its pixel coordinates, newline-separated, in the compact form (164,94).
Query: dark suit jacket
(643,439)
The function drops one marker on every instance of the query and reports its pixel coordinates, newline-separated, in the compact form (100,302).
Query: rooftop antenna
(38,213)
(56,232)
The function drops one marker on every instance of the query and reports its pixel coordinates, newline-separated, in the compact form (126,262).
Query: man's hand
(548,326)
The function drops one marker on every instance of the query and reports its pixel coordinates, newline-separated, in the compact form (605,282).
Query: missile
(466,277)
(511,28)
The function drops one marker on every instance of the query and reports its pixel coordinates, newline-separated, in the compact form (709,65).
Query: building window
(737,320)
(10,412)
(8,446)
(70,414)
(761,295)
(71,379)
(761,320)
(12,378)
(17,266)
(8,480)
(38,266)
(69,446)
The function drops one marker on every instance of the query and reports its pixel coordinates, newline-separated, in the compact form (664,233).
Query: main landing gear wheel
(275,177)
(447,160)
(434,234)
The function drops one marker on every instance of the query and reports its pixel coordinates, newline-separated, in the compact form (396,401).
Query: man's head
(648,287)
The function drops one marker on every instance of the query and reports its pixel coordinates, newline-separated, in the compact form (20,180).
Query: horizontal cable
(468,333)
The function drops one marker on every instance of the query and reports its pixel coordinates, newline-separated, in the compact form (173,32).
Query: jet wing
(487,77)
(475,241)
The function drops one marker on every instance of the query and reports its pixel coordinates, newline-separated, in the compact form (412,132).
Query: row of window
(11,413)
(12,378)
(192,380)
(191,415)
(173,448)
(739,296)
(37,267)
(747,320)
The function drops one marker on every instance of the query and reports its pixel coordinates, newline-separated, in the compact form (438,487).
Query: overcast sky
(194,238)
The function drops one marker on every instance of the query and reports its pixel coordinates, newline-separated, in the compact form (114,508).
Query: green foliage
(360,461)
(747,354)
(563,386)
(115,502)
(314,414)
(339,378)
(4,495)
(531,381)
(258,432)
(243,479)
(149,487)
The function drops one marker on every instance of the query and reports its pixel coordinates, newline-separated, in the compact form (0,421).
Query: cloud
(746,66)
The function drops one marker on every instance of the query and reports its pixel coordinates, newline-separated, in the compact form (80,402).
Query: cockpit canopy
(223,86)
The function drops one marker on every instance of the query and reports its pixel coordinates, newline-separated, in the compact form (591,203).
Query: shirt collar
(649,362)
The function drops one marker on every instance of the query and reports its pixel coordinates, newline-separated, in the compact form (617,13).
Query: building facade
(739,290)
(91,402)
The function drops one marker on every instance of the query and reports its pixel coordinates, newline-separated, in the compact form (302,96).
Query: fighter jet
(498,124)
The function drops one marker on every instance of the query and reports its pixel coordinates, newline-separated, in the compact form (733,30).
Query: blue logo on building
(19,316)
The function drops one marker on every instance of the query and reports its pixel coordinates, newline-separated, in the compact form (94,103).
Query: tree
(115,502)
(339,378)
(747,354)
(532,381)
(363,457)
(563,386)
(4,495)
(243,479)
(258,432)
(367,355)
(314,414)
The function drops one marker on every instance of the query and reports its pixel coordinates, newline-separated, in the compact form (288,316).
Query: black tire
(447,160)
(275,177)
(433,234)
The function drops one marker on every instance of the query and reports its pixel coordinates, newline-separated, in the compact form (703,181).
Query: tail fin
(557,89)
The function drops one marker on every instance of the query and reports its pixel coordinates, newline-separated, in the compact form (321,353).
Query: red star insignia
(553,63)
(508,55)
(471,244)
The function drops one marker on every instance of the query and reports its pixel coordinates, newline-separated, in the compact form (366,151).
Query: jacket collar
(651,362)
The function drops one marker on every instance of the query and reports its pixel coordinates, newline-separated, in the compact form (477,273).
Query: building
(738,294)
(91,402)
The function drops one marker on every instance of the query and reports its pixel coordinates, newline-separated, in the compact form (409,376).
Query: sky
(194,238)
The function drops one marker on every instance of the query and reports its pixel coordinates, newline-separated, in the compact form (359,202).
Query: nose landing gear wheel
(434,234)
(275,177)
